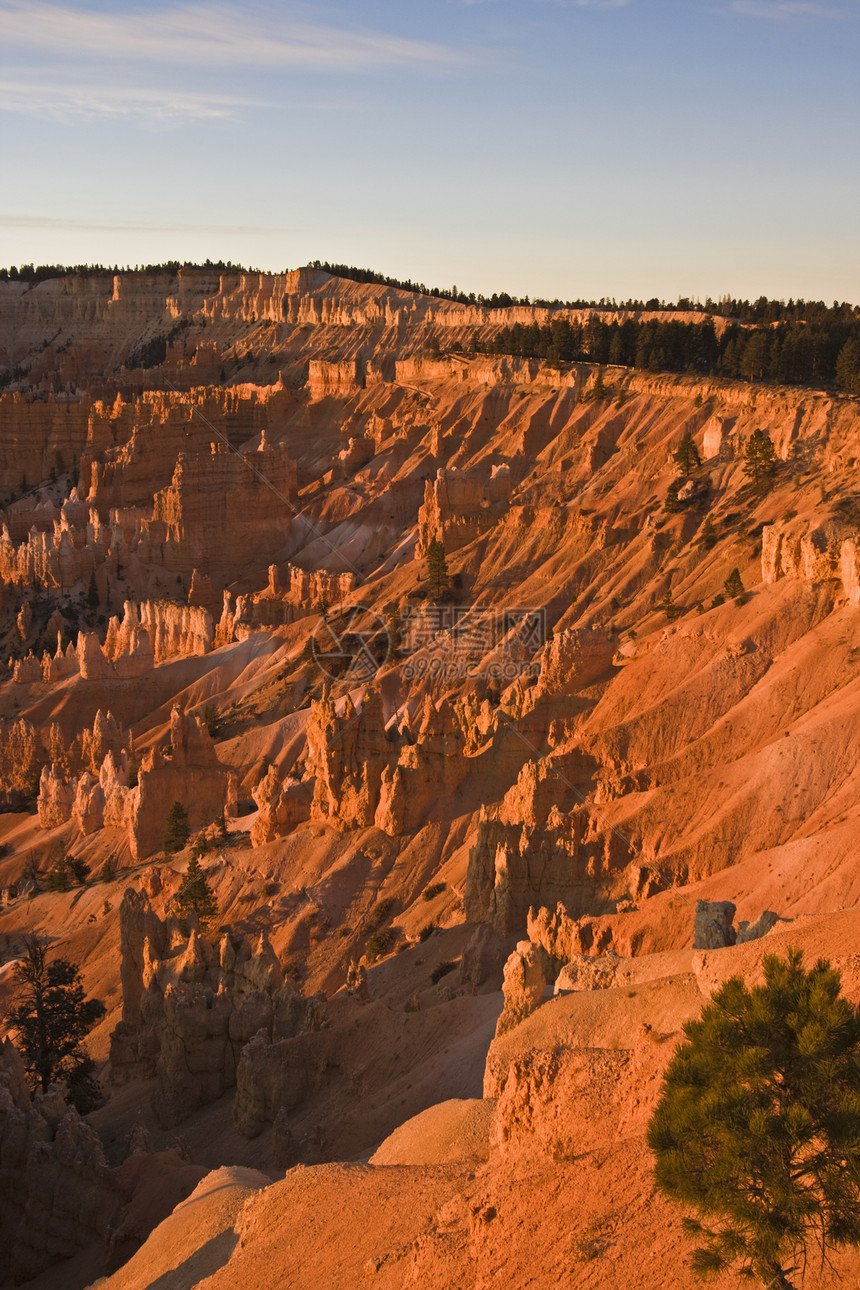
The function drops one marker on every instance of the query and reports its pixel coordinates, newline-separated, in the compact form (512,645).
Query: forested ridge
(821,351)
(798,342)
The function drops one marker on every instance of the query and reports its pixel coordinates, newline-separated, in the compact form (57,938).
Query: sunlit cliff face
(451,699)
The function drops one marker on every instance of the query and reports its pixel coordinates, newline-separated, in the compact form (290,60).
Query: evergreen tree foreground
(758,1124)
(52,1017)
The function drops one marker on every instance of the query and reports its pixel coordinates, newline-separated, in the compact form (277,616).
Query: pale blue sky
(543,147)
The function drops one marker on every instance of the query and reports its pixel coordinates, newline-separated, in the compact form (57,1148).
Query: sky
(549,148)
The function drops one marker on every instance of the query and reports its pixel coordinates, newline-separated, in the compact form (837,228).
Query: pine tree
(733,585)
(195,893)
(93,592)
(59,875)
(758,1123)
(671,504)
(760,460)
(176,829)
(437,568)
(848,367)
(687,454)
(667,604)
(52,1016)
(707,533)
(79,869)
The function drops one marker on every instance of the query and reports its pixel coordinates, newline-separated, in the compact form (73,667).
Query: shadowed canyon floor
(457,834)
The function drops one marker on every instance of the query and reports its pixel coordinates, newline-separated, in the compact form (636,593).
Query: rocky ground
(215,589)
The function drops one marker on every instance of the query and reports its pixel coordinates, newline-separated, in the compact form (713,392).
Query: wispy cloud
(790,10)
(208,35)
(90,100)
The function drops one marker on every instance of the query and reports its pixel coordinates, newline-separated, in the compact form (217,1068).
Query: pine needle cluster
(758,1125)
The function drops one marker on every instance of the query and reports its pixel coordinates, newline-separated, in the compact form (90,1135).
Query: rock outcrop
(347,753)
(190,1006)
(188,772)
(56,797)
(282,807)
(713,927)
(531,851)
(425,771)
(815,553)
(524,985)
(21,760)
(572,660)
(460,506)
(217,504)
(59,1197)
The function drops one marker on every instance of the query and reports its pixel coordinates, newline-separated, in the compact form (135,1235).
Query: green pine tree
(758,1124)
(195,893)
(687,454)
(79,869)
(707,533)
(176,829)
(93,592)
(667,604)
(52,1016)
(848,367)
(437,569)
(733,585)
(760,460)
(671,504)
